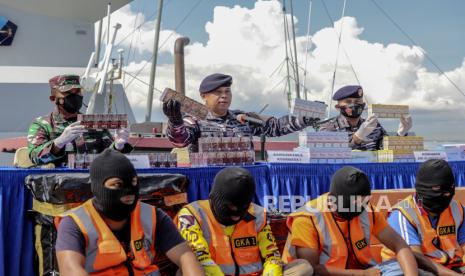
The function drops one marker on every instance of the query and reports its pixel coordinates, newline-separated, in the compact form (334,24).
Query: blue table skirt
(282,185)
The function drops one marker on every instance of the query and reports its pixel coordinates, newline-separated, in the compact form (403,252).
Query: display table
(283,185)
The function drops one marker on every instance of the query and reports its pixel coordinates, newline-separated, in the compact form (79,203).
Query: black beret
(348,91)
(214,81)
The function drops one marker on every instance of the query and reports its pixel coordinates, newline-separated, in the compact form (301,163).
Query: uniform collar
(211,117)
(57,116)
(248,217)
(343,123)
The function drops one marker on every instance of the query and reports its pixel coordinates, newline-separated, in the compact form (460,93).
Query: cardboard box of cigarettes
(388,110)
(314,109)
(103,121)
(403,143)
(188,105)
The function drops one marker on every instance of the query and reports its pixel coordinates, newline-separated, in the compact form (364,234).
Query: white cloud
(139,38)
(249,45)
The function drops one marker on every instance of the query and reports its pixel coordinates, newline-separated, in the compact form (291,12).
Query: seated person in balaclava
(430,221)
(333,232)
(116,234)
(229,234)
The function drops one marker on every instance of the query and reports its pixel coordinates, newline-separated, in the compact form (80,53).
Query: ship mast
(148,115)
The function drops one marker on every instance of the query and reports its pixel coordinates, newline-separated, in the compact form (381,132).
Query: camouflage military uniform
(45,129)
(339,123)
(228,125)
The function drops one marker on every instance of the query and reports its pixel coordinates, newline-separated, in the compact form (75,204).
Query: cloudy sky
(246,40)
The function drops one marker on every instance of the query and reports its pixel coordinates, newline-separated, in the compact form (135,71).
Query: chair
(22,160)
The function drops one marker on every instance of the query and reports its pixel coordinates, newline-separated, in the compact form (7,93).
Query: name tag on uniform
(245,242)
(446,230)
(361,244)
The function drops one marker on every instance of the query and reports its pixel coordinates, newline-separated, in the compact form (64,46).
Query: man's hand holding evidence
(172,110)
(69,134)
(366,128)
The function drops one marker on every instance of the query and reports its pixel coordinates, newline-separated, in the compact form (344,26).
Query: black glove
(310,121)
(172,110)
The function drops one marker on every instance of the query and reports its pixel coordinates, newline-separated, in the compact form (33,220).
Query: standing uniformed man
(215,90)
(364,134)
(51,137)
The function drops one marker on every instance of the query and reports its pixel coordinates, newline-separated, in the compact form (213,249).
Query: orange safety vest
(449,253)
(333,247)
(238,252)
(104,253)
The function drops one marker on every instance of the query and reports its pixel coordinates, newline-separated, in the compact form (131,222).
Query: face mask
(434,201)
(72,103)
(352,110)
(108,201)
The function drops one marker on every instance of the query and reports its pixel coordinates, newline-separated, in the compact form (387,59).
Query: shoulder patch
(186,221)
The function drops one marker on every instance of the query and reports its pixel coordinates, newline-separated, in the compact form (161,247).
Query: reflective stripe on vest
(334,251)
(104,251)
(248,260)
(449,251)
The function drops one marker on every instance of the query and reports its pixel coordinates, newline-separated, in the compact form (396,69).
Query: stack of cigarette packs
(364,156)
(103,121)
(400,148)
(314,109)
(223,151)
(326,146)
(387,110)
(397,156)
(188,105)
(403,143)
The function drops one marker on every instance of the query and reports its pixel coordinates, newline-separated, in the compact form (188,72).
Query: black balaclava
(434,173)
(346,184)
(111,163)
(356,110)
(72,103)
(232,186)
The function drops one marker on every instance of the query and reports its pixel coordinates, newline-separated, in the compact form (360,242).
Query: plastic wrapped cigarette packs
(388,111)
(188,105)
(312,109)
(103,121)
